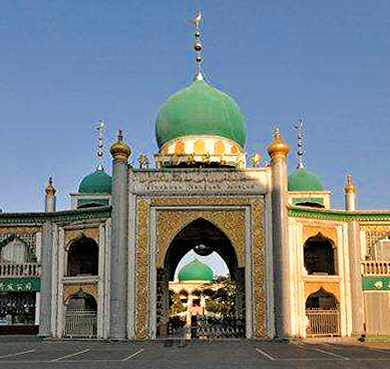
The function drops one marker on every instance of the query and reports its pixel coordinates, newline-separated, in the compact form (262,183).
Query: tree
(220,296)
(176,306)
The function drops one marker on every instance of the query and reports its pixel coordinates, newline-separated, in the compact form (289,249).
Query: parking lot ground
(194,354)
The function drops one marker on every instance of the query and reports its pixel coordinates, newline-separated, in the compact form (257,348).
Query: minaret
(50,197)
(355,260)
(350,194)
(278,152)
(120,152)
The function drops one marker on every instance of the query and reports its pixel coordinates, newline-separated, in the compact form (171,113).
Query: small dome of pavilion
(196,271)
(96,182)
(304,180)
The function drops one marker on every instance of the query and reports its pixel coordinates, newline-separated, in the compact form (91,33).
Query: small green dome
(195,271)
(200,110)
(96,182)
(303,180)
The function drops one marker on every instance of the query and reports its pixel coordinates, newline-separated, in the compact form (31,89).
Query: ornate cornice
(340,215)
(58,217)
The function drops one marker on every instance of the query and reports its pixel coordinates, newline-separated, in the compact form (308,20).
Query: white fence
(20,270)
(372,267)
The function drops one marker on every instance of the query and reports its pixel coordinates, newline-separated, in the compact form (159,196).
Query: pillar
(355,261)
(46,282)
(50,197)
(120,152)
(278,151)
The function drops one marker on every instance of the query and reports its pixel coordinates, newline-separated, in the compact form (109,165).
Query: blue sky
(66,64)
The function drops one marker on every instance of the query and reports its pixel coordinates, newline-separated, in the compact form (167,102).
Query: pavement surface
(194,354)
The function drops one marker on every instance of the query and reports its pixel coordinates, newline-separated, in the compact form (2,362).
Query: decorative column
(50,197)
(278,151)
(120,152)
(355,261)
(46,282)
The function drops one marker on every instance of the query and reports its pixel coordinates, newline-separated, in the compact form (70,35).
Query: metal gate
(321,322)
(80,323)
(209,328)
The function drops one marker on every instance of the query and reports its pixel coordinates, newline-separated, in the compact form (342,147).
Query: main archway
(203,237)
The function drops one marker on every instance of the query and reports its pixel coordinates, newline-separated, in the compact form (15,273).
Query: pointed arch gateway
(203,237)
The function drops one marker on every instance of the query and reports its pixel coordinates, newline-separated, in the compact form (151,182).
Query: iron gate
(321,322)
(209,328)
(80,323)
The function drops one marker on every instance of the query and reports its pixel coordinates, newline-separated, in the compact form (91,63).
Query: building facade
(102,268)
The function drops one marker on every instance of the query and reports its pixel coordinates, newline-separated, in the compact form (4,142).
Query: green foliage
(176,306)
(220,296)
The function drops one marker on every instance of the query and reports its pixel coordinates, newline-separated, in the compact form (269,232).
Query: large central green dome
(200,110)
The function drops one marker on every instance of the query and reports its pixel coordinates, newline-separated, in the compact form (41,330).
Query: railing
(80,323)
(321,322)
(372,267)
(20,270)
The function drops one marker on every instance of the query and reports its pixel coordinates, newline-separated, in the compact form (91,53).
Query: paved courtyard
(174,355)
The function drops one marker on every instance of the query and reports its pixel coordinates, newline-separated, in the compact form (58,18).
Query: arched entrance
(80,315)
(204,238)
(322,312)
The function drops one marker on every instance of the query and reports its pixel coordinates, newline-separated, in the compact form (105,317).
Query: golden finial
(50,190)
(278,148)
(120,150)
(350,186)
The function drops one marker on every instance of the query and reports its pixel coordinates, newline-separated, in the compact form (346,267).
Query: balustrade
(20,270)
(373,267)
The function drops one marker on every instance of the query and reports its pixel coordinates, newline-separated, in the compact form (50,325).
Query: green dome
(200,110)
(97,182)
(195,271)
(303,180)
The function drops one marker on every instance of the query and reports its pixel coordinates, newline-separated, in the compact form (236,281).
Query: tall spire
(198,46)
(100,145)
(299,129)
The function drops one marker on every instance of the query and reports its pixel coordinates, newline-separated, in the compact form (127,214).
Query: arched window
(319,256)
(381,249)
(14,252)
(83,257)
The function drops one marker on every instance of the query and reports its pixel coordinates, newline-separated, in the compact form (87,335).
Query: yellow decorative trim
(332,287)
(142,310)
(71,235)
(311,231)
(20,229)
(71,289)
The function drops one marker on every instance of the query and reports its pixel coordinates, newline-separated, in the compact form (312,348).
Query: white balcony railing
(20,270)
(372,267)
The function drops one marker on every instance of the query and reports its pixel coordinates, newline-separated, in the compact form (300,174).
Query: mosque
(103,268)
